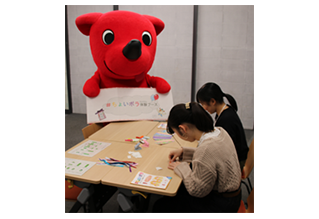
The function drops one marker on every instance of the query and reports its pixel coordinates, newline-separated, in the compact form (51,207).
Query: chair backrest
(91,129)
(71,191)
(242,208)
(246,172)
(250,202)
(250,161)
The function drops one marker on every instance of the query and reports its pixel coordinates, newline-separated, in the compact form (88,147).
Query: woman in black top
(210,96)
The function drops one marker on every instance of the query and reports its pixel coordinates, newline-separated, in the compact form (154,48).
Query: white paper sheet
(89,148)
(154,181)
(125,104)
(77,167)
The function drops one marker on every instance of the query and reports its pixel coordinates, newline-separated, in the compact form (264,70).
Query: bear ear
(158,23)
(85,21)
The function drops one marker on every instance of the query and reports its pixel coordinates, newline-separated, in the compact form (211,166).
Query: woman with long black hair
(211,97)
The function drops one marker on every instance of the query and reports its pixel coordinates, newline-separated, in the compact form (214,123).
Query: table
(152,157)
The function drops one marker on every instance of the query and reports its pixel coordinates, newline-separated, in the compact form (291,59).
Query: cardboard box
(91,129)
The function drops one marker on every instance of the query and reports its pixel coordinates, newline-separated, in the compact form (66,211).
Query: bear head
(123,43)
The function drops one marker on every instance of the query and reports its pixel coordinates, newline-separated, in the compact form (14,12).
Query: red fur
(114,69)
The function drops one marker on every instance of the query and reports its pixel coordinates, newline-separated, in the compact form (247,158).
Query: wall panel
(225,54)
(173,60)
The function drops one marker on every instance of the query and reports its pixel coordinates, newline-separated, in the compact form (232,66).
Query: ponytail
(211,90)
(231,101)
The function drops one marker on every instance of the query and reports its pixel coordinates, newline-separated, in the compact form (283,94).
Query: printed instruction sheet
(77,167)
(145,179)
(89,148)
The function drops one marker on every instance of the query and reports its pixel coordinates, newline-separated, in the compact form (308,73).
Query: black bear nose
(133,50)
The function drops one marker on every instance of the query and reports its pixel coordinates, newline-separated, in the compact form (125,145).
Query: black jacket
(230,121)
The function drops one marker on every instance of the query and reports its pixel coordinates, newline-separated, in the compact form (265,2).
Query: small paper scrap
(159,168)
(135,154)
(162,126)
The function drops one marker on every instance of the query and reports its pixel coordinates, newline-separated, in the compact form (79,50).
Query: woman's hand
(175,154)
(172,165)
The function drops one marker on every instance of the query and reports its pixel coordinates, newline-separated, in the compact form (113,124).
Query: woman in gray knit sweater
(211,172)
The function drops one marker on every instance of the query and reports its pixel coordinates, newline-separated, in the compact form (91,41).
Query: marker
(145,143)
(130,139)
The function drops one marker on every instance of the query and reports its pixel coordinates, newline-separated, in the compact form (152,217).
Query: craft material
(135,154)
(145,143)
(162,126)
(142,141)
(129,157)
(77,167)
(162,137)
(89,148)
(154,181)
(118,163)
(132,139)
(137,146)
(107,163)
(159,168)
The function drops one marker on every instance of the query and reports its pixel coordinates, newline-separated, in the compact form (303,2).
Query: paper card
(77,167)
(89,148)
(162,138)
(126,104)
(145,179)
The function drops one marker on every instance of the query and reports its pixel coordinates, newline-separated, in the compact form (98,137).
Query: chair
(133,201)
(248,167)
(250,202)
(71,190)
(242,208)
(71,194)
(246,172)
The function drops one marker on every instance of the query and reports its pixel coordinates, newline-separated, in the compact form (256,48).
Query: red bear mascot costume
(123,46)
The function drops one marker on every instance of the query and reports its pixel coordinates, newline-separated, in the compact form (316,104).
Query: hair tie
(187,105)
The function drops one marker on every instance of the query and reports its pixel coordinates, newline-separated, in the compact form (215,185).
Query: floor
(73,135)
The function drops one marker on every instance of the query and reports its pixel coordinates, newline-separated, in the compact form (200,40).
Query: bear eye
(108,37)
(147,38)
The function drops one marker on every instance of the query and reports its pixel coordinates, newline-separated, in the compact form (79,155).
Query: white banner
(125,104)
